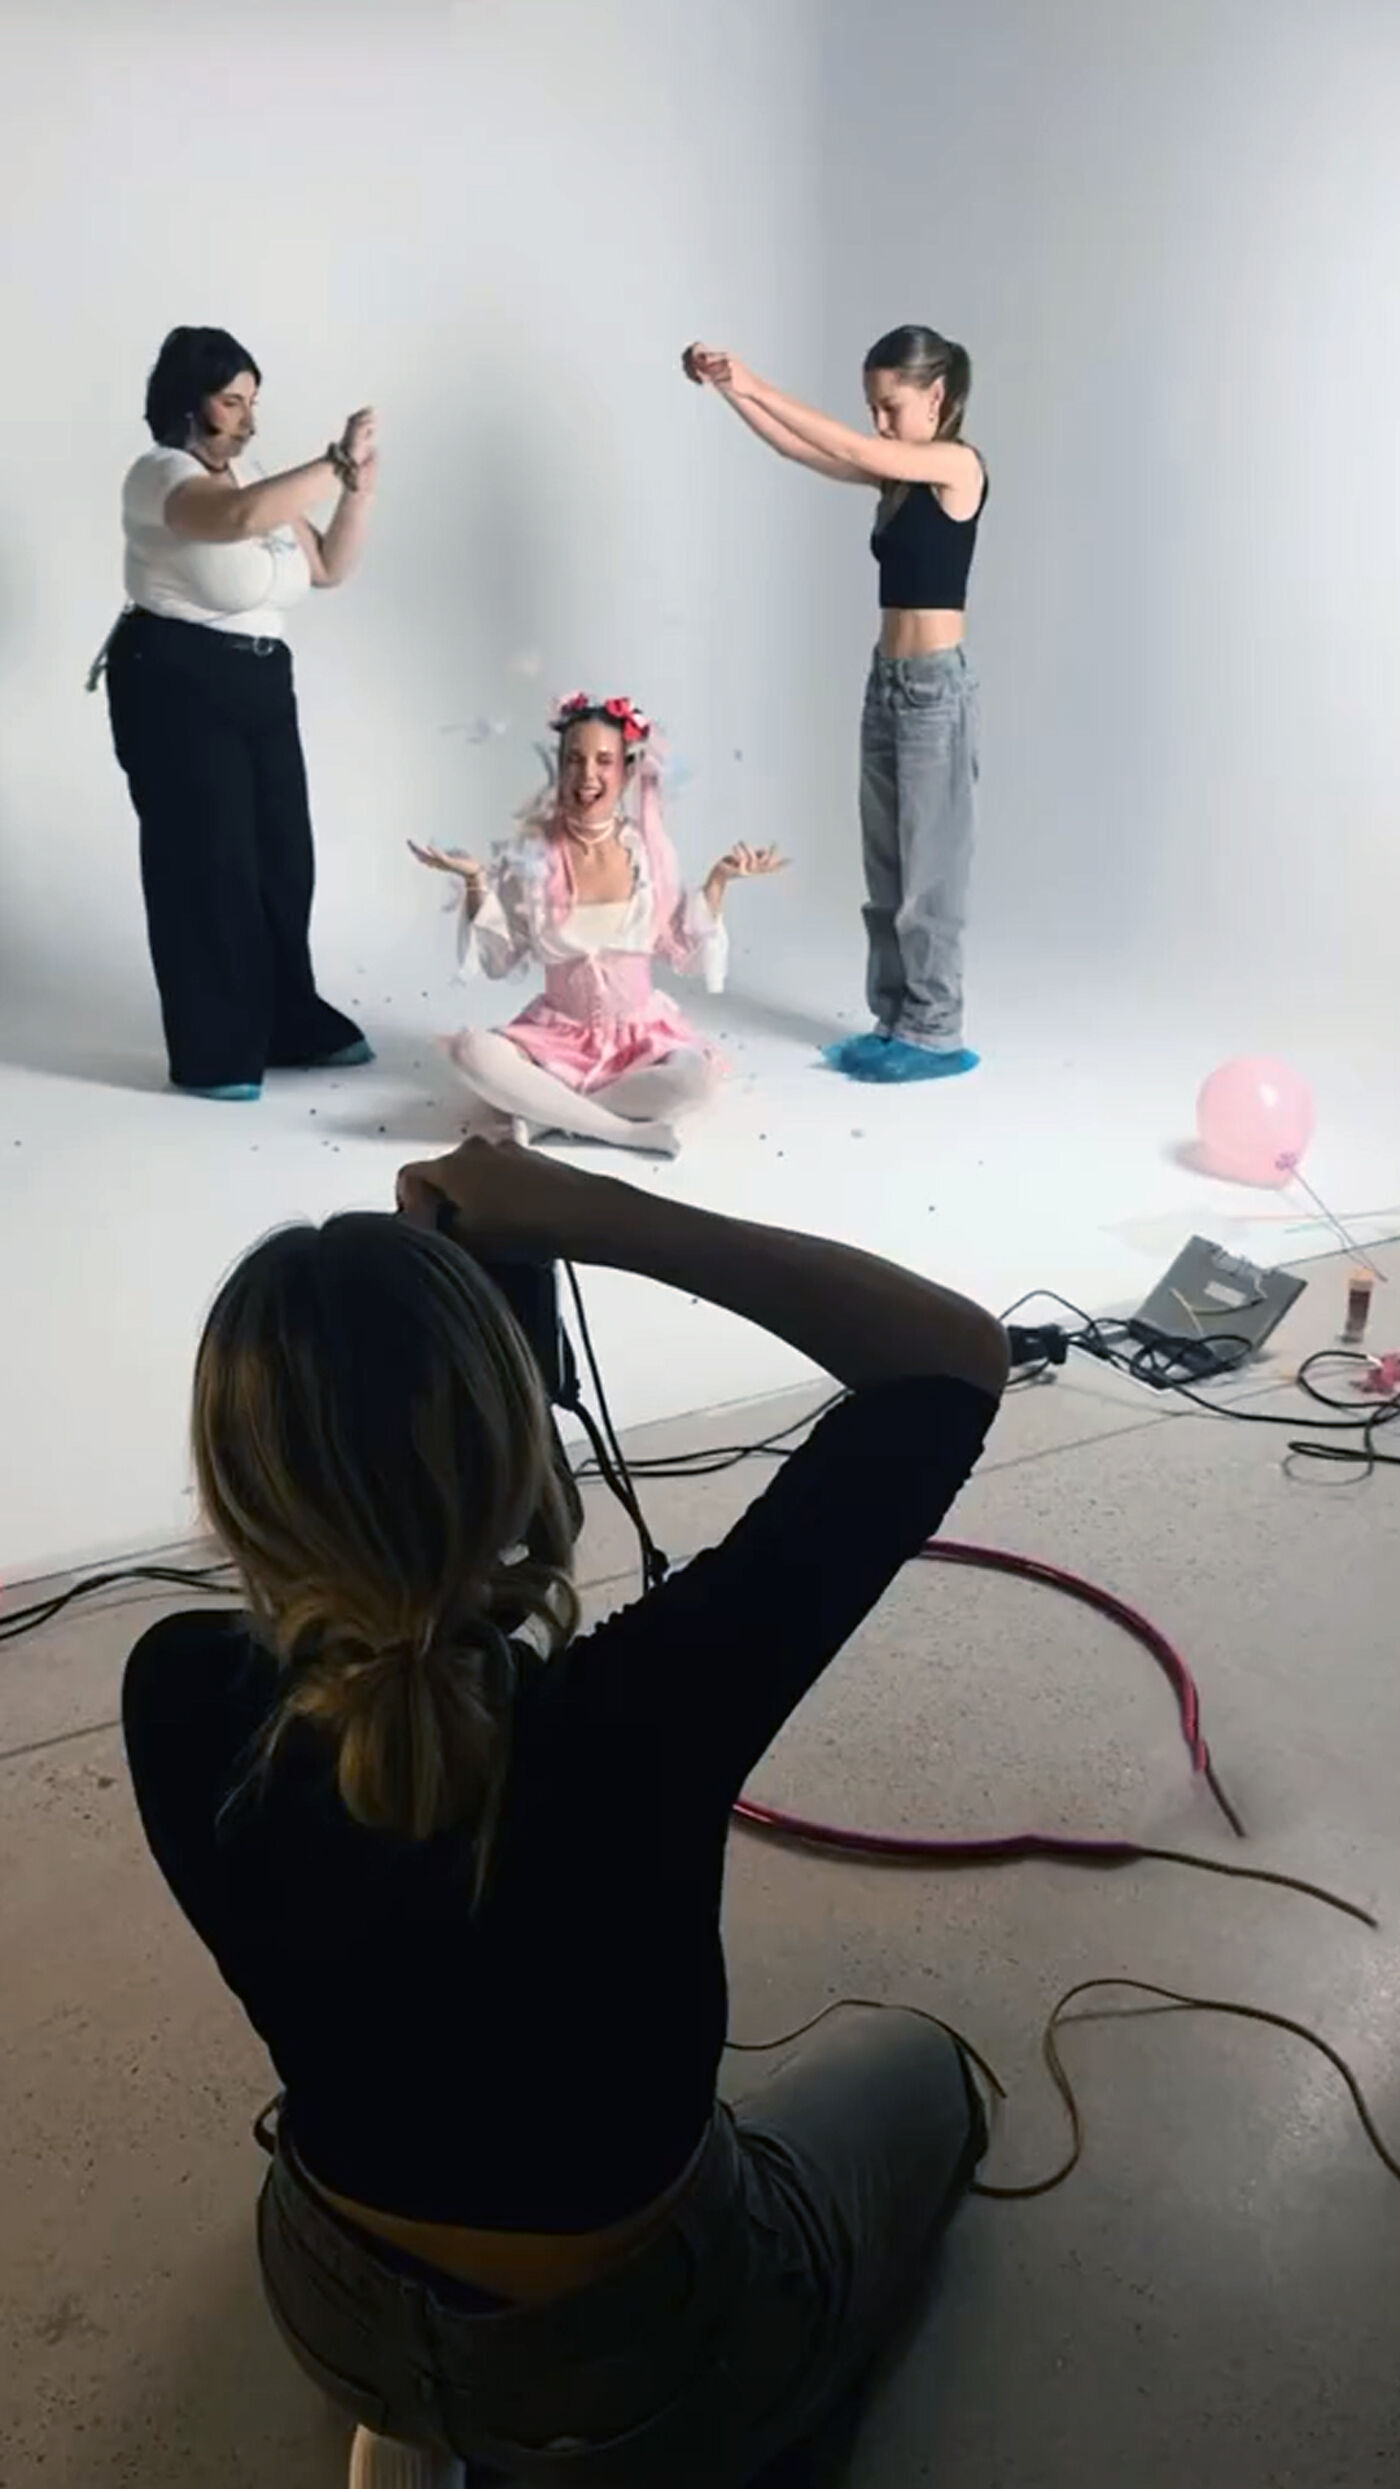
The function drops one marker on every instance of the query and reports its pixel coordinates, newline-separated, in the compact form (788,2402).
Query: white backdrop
(1166,233)
(500,222)
(1165,229)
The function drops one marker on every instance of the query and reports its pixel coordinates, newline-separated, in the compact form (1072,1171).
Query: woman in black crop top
(920,728)
(462,1865)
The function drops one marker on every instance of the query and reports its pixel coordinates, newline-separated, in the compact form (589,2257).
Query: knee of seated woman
(693,1075)
(475,1048)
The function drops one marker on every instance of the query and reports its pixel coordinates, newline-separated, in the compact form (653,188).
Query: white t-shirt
(229,587)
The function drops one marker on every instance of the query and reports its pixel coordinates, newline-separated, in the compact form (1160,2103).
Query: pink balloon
(1254,1118)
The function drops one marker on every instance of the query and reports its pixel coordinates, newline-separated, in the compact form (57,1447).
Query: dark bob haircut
(192,365)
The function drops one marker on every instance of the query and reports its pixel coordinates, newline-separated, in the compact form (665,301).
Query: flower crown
(622,713)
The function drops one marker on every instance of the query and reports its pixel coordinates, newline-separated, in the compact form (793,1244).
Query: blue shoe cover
(230,1093)
(899,1061)
(849,1053)
(359,1051)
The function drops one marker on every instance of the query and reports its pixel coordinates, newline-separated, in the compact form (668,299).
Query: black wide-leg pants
(205,727)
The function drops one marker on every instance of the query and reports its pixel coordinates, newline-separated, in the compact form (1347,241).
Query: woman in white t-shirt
(204,718)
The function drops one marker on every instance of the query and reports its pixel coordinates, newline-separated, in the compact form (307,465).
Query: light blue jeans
(919,759)
(789,2272)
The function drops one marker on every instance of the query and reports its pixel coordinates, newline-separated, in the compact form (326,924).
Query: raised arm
(723,1651)
(699,937)
(864,1320)
(707,369)
(492,936)
(332,553)
(790,444)
(206,511)
(871,459)
(738,864)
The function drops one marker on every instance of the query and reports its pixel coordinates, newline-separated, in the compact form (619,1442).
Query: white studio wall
(1163,235)
(500,223)
(1166,236)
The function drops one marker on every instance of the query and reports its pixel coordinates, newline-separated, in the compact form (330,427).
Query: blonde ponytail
(370,1432)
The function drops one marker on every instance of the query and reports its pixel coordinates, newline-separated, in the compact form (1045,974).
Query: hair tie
(477,1632)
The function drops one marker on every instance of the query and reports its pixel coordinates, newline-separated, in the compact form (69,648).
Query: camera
(531,1290)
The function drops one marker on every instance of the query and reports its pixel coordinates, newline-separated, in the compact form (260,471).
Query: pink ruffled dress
(599,1014)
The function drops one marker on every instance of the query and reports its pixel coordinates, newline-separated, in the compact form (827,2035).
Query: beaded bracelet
(346,471)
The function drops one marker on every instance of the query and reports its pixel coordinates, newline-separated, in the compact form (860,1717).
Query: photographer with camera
(462,1864)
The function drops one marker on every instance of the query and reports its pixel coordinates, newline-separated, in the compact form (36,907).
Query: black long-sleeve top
(547,2063)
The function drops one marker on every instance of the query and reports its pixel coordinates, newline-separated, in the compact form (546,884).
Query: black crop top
(548,2063)
(925,556)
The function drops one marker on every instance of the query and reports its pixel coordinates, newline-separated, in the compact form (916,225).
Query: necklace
(590,838)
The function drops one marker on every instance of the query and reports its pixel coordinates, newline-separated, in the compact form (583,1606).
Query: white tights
(641,1108)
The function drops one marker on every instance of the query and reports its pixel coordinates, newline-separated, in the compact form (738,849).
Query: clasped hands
(720,369)
(359,450)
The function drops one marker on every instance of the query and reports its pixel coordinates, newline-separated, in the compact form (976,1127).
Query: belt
(247,643)
(242,643)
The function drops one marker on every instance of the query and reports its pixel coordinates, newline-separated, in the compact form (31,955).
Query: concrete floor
(1211,2300)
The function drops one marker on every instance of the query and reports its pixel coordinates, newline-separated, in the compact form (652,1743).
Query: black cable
(588,1349)
(655,1565)
(1155,1360)
(709,1463)
(40,1612)
(1040,1348)
(608,1456)
(1090,1336)
(1151,1360)
(1364,1423)
(1036,1350)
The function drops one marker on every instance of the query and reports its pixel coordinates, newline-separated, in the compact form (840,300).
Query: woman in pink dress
(590,891)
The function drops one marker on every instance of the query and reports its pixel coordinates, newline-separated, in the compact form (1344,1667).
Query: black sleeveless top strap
(925,556)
